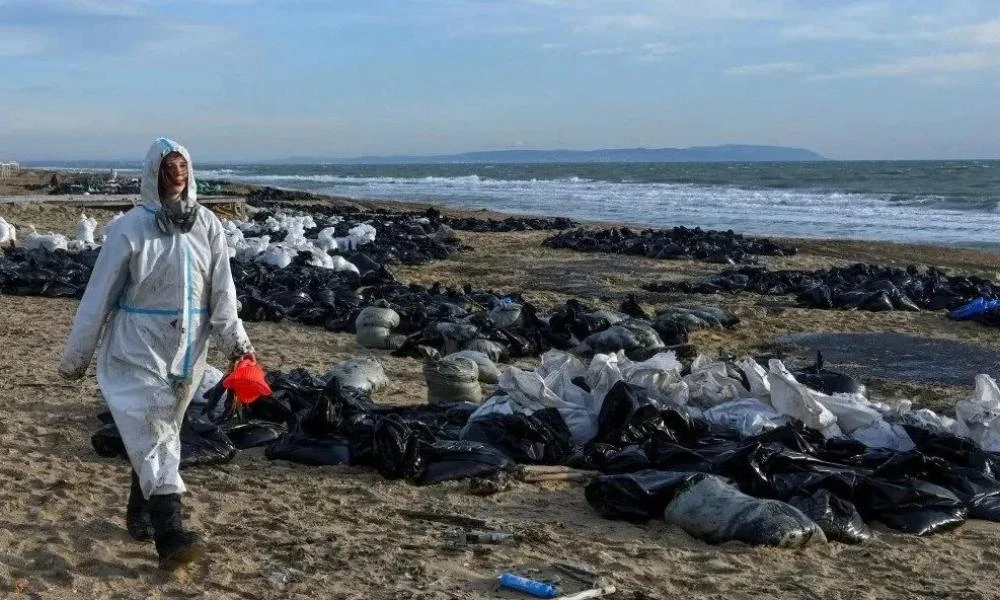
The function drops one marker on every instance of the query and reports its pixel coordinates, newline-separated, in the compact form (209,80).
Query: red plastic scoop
(247,381)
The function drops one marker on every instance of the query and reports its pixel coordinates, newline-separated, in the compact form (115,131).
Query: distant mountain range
(729,152)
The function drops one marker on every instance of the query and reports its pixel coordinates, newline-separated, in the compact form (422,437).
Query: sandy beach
(279,530)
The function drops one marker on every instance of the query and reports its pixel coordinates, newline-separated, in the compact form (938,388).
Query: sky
(246,80)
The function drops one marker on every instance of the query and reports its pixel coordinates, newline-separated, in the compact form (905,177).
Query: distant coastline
(725,153)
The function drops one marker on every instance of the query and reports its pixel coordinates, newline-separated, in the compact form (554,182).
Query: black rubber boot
(137,520)
(175,546)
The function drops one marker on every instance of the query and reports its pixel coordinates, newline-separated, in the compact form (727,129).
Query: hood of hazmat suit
(161,285)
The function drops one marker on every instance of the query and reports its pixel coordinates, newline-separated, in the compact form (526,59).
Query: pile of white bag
(714,390)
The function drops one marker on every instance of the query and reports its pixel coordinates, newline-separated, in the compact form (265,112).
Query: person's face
(173,173)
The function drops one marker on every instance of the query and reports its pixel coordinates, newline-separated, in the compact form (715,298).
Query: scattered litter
(531,587)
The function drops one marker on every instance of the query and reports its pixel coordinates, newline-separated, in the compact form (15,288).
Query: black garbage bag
(441,421)
(954,449)
(843,484)
(755,467)
(794,436)
(843,450)
(292,394)
(201,444)
(253,434)
(818,296)
(298,447)
(979,492)
(628,416)
(877,302)
(204,444)
(107,442)
(320,437)
(669,456)
(838,519)
(609,459)
(538,438)
(448,460)
(396,448)
(637,497)
(911,505)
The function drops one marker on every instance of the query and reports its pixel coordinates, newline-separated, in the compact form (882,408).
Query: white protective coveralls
(159,294)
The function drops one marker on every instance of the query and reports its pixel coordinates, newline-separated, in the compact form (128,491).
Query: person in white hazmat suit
(161,285)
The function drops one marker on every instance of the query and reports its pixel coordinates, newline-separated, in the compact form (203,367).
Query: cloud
(649,51)
(16,42)
(617,23)
(194,38)
(111,29)
(932,68)
(655,50)
(771,68)
(880,23)
(612,51)
(553,46)
(986,34)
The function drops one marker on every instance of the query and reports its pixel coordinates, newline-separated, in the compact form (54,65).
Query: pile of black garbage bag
(859,286)
(315,421)
(677,243)
(56,274)
(39,272)
(646,455)
(507,224)
(271,197)
(650,455)
(451,320)
(430,316)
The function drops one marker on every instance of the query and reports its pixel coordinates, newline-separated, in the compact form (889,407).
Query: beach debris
(49,241)
(446,518)
(8,234)
(637,497)
(452,380)
(202,443)
(540,437)
(678,243)
(714,511)
(487,486)
(374,326)
(506,224)
(548,473)
(531,587)
(281,280)
(581,573)
(365,374)
(641,434)
(838,518)
(268,197)
(465,537)
(982,310)
(600,592)
(859,286)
